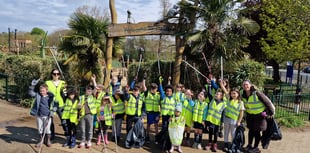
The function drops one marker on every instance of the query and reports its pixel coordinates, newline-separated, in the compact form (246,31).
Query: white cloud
(51,15)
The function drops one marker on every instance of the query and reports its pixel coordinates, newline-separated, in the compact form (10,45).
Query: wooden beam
(141,28)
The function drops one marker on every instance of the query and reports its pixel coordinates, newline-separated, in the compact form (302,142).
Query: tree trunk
(110,46)
(276,74)
(298,74)
(178,60)
(180,43)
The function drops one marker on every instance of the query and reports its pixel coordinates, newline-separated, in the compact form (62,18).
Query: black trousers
(131,119)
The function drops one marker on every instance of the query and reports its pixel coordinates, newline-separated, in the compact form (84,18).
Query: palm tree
(86,45)
(223,31)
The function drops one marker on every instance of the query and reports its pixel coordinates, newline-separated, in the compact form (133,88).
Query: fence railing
(288,105)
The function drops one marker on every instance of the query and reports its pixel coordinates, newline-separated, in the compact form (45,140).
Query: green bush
(22,69)
(246,70)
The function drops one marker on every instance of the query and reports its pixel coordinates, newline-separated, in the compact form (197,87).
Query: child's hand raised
(35,82)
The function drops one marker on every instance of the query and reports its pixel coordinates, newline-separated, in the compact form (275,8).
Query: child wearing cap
(176,129)
(104,118)
(118,109)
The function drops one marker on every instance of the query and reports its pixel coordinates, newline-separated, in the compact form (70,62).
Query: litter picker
(52,49)
(116,149)
(102,136)
(45,124)
(195,69)
(139,64)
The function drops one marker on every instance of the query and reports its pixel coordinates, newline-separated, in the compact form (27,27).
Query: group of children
(100,109)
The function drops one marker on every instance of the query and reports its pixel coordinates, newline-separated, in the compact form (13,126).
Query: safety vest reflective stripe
(99,98)
(91,104)
(179,97)
(213,91)
(74,113)
(215,112)
(168,106)
(187,112)
(198,111)
(131,106)
(56,91)
(107,113)
(233,109)
(253,105)
(118,106)
(67,109)
(152,102)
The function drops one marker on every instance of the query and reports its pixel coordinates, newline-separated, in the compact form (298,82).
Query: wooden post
(110,46)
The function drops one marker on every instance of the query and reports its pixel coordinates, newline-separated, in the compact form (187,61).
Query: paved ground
(18,134)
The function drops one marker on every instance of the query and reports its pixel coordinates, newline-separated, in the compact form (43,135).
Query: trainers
(81,145)
(199,146)
(179,149)
(171,149)
(254,150)
(226,145)
(248,147)
(208,146)
(88,145)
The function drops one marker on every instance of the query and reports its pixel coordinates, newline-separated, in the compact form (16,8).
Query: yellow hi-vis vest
(187,112)
(67,108)
(253,105)
(233,108)
(213,91)
(107,113)
(179,97)
(74,113)
(168,106)
(118,106)
(215,112)
(99,98)
(56,91)
(152,102)
(198,111)
(91,104)
(131,108)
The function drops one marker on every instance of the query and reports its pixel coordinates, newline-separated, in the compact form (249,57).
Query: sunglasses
(56,74)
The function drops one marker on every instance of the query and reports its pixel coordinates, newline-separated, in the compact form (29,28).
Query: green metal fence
(13,88)
(286,105)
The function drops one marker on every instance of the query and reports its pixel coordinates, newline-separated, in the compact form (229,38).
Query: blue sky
(52,15)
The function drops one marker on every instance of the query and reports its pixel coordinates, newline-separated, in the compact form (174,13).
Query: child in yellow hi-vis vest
(70,115)
(104,118)
(176,129)
(214,119)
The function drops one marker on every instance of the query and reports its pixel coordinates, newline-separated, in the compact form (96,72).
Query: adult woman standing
(257,106)
(57,87)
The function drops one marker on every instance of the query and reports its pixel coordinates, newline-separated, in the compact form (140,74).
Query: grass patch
(291,121)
